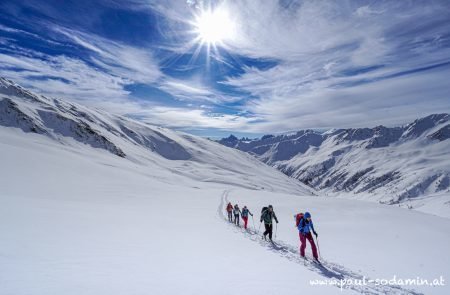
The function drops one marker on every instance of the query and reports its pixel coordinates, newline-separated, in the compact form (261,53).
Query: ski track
(327,269)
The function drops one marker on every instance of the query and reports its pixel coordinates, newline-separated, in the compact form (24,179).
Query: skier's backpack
(264,209)
(298,217)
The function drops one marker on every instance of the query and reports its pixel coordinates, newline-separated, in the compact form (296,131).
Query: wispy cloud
(193,118)
(100,79)
(61,76)
(136,64)
(193,90)
(335,64)
(102,73)
(344,64)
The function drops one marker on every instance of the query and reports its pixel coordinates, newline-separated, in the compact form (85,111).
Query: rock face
(391,165)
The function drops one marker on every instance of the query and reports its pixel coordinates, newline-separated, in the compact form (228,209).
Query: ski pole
(253,223)
(318,248)
(259,227)
(276,229)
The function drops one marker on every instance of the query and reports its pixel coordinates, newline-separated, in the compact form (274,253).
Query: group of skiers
(237,212)
(303,223)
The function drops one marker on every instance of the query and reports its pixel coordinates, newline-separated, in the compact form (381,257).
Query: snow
(381,241)
(80,218)
(95,223)
(405,166)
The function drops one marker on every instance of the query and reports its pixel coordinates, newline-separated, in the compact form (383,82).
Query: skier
(305,226)
(236,212)
(267,215)
(229,211)
(244,215)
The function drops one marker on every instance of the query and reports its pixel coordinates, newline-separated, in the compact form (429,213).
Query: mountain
(399,165)
(78,127)
(407,165)
(94,203)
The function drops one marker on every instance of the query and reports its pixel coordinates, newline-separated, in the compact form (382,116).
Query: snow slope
(95,223)
(407,166)
(76,127)
(87,209)
(360,238)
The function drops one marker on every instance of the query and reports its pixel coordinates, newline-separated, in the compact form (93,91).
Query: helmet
(307,215)
(270,206)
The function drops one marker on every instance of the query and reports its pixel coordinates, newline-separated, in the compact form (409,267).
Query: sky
(247,67)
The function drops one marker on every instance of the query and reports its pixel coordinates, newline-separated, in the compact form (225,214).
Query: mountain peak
(421,125)
(400,162)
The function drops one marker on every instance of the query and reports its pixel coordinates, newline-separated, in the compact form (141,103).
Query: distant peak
(232,137)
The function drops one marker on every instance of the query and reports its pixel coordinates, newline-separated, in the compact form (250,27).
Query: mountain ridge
(393,165)
(89,130)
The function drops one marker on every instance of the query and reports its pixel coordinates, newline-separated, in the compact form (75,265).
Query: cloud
(101,78)
(61,76)
(134,63)
(391,102)
(335,64)
(99,74)
(194,90)
(343,64)
(192,118)
(365,11)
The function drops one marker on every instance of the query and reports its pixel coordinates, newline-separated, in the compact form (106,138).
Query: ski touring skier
(267,215)
(244,215)
(230,212)
(236,212)
(305,227)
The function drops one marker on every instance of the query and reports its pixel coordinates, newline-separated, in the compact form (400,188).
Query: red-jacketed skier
(230,212)
(244,215)
(305,227)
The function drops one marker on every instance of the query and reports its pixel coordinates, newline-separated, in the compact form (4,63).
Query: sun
(214,27)
(214,30)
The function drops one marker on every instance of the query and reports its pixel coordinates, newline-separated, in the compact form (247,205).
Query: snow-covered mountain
(94,203)
(408,165)
(79,127)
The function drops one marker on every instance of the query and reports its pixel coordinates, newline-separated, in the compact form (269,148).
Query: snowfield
(93,203)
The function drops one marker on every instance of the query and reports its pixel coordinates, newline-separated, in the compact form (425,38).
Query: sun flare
(214,26)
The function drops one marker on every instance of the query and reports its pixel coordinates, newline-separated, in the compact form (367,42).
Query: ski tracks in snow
(327,269)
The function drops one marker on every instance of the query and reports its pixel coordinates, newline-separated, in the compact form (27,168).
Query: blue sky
(273,66)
